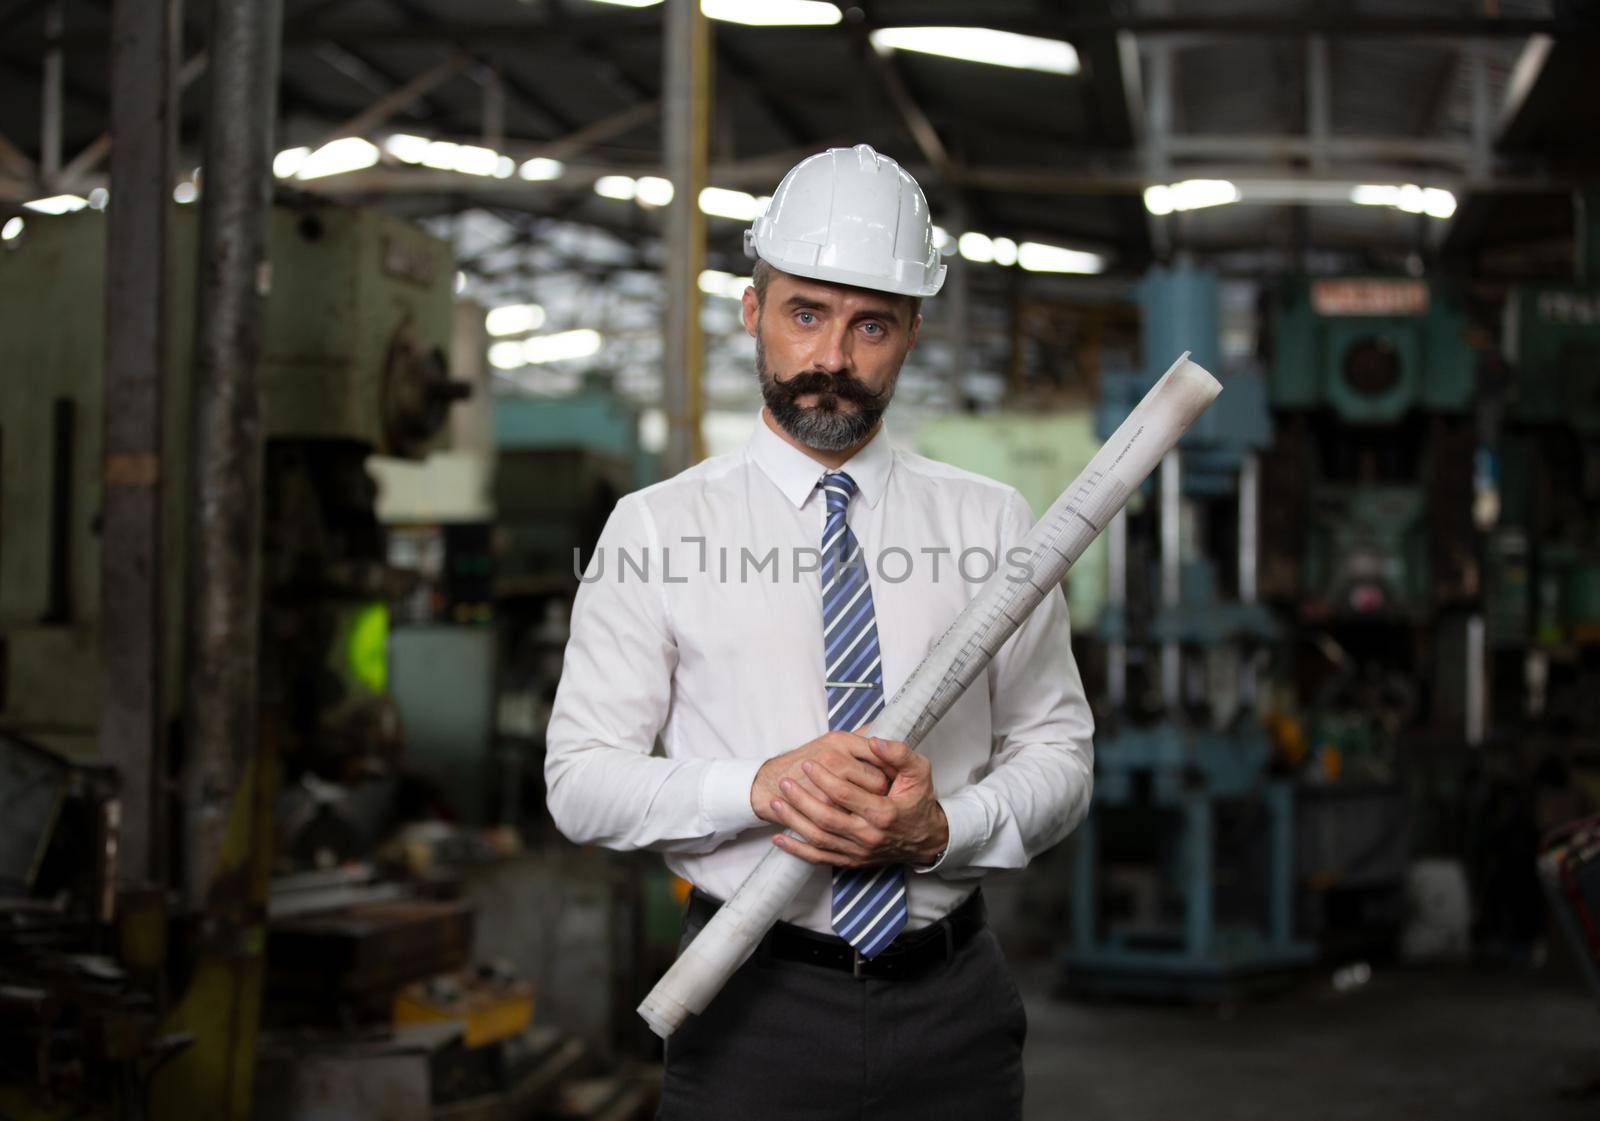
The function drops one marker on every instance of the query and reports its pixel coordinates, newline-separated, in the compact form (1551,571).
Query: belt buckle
(855,968)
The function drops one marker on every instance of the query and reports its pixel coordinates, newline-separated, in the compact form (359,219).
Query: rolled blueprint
(960,656)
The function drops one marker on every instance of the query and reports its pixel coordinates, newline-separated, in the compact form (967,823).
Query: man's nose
(833,349)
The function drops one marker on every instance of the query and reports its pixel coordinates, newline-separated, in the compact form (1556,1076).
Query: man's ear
(749,310)
(911,336)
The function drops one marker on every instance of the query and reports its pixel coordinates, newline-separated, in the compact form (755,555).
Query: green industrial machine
(1372,384)
(356,325)
(1544,545)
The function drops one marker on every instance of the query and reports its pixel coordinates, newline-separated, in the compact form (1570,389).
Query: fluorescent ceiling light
(473,160)
(350,153)
(1435,202)
(942,241)
(976,247)
(1191,194)
(539,169)
(12,229)
(773,13)
(621,187)
(981,44)
(447,155)
(560,346)
(757,13)
(714,282)
(407,148)
(1036,257)
(185,192)
(57,204)
(287,162)
(98,198)
(506,356)
(652,190)
(1005,251)
(737,205)
(514,319)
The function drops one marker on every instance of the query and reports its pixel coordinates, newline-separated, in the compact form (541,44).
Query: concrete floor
(1453,1045)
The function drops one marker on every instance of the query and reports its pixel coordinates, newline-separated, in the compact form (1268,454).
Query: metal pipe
(225,529)
(1318,100)
(958,307)
(50,96)
(1249,525)
(1117,601)
(1171,573)
(686,108)
(1477,684)
(144,114)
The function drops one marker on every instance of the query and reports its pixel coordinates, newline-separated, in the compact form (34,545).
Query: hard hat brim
(846,276)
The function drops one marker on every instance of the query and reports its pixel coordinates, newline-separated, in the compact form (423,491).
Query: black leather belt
(909,955)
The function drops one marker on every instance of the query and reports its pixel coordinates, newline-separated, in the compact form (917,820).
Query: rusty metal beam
(144,114)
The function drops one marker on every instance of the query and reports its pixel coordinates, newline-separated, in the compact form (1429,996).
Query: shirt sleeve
(602,784)
(1036,787)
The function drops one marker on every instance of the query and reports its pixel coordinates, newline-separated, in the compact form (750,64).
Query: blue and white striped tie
(869,904)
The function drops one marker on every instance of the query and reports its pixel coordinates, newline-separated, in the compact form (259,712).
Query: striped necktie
(869,904)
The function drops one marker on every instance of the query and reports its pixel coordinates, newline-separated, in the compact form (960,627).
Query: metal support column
(1157,131)
(958,307)
(1086,884)
(1199,850)
(687,106)
(1482,163)
(1586,251)
(1249,535)
(225,532)
(1319,100)
(144,107)
(55,25)
(228,775)
(1171,510)
(1279,797)
(1117,604)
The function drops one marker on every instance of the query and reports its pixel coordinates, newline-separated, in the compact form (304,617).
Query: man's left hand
(853,827)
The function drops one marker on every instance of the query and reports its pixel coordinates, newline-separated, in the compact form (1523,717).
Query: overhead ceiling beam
(747,78)
(910,114)
(89,157)
(398,100)
(1190,28)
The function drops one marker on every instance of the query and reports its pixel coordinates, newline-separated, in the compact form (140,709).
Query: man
(754,613)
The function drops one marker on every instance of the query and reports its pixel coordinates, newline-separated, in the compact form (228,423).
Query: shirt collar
(795,473)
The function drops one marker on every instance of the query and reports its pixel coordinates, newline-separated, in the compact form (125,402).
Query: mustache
(825,382)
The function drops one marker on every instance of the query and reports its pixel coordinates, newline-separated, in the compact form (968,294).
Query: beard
(827,425)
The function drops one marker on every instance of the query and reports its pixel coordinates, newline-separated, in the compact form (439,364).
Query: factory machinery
(123,1001)
(1183,877)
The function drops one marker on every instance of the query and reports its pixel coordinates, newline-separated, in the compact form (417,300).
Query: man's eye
(873,329)
(806,317)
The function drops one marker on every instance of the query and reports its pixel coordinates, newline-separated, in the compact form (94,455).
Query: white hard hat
(853,217)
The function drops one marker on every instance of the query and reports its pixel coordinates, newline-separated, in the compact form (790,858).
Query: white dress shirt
(700,622)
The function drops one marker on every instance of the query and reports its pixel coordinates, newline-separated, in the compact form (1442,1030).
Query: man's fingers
(840,790)
(810,852)
(892,752)
(813,832)
(866,776)
(822,812)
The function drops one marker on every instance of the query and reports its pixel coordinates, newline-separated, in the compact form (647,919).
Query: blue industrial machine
(1184,877)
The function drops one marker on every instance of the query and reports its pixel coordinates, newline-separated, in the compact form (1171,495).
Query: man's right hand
(843,753)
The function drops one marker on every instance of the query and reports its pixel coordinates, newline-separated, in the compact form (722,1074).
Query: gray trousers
(786,1040)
